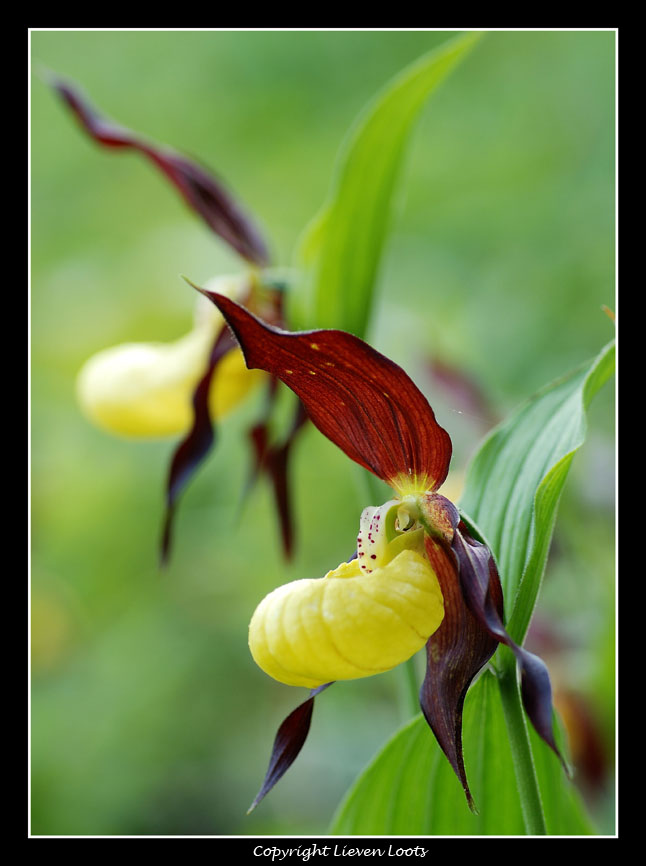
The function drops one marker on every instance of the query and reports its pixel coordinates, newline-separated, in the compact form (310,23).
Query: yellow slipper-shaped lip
(348,624)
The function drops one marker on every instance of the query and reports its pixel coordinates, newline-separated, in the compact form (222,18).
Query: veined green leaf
(515,481)
(341,248)
(409,788)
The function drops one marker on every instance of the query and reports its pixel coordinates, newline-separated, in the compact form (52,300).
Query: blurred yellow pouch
(146,389)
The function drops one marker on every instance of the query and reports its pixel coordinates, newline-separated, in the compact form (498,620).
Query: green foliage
(341,249)
(515,481)
(410,789)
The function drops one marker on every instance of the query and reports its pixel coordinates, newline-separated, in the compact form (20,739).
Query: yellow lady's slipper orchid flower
(419,576)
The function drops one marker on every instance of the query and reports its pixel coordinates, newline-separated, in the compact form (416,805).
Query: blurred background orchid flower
(146,390)
(150,390)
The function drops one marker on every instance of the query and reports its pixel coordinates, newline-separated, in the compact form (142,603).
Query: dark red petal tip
(199,188)
(480,586)
(362,401)
(289,740)
(469,634)
(454,655)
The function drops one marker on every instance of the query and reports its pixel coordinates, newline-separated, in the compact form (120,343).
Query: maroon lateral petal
(199,188)
(273,460)
(279,472)
(480,586)
(454,655)
(288,742)
(362,401)
(469,634)
(197,443)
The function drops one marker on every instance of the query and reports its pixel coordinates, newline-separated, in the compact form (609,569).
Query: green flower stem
(527,782)
(411,687)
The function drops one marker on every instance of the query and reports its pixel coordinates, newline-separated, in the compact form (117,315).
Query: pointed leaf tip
(343,245)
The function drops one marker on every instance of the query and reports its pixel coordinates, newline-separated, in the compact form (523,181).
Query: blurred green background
(148,713)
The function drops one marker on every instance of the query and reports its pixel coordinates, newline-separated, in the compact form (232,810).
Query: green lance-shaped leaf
(341,248)
(410,789)
(515,481)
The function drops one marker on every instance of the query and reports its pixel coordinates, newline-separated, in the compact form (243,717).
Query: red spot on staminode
(373,556)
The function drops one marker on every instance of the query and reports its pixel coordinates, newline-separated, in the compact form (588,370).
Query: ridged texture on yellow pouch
(348,624)
(146,389)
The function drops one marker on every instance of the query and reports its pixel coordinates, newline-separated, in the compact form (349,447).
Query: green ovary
(348,624)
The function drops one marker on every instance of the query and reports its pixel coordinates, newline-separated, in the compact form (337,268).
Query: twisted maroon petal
(358,398)
(454,655)
(469,634)
(288,742)
(199,188)
(273,460)
(197,443)
(480,586)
